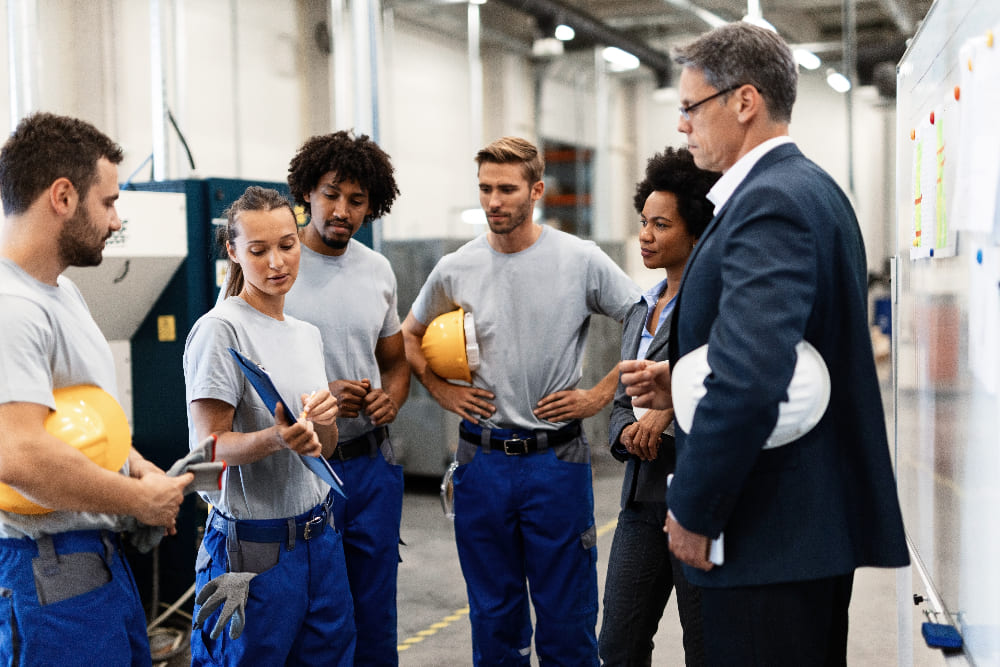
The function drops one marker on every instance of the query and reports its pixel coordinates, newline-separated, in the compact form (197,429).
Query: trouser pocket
(257,557)
(64,576)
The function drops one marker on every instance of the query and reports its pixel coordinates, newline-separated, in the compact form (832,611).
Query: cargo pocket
(574,451)
(61,577)
(10,644)
(466,452)
(258,557)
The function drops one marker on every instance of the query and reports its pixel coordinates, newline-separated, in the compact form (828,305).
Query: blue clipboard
(268,393)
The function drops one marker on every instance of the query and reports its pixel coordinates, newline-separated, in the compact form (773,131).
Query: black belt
(363,445)
(514,442)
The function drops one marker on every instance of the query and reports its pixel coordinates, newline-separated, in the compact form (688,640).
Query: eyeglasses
(686,111)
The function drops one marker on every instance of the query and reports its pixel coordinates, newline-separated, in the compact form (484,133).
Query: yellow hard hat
(450,345)
(90,419)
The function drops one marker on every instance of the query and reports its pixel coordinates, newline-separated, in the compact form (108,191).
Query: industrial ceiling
(877,34)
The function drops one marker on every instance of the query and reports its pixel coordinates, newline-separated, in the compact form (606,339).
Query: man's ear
(750,103)
(63,197)
(537,190)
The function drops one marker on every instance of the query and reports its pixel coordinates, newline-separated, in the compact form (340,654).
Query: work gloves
(229,590)
(207,477)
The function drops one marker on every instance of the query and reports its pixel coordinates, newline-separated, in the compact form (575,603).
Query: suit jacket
(645,481)
(783,260)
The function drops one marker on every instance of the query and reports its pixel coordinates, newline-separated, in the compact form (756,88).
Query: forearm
(604,390)
(57,476)
(396,383)
(328,436)
(242,448)
(394,370)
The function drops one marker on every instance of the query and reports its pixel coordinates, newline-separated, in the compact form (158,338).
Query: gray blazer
(645,481)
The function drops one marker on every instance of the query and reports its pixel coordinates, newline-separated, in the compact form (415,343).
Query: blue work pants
(102,626)
(298,612)
(369,525)
(528,520)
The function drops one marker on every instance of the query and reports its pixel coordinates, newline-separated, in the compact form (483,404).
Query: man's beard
(80,244)
(333,243)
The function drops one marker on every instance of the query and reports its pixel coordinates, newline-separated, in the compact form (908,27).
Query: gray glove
(206,478)
(200,461)
(231,588)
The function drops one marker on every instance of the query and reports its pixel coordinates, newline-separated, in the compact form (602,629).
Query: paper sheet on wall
(924,186)
(978,171)
(984,316)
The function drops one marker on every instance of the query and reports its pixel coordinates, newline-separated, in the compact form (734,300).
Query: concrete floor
(433,608)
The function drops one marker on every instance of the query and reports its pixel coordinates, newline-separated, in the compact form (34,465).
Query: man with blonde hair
(524,505)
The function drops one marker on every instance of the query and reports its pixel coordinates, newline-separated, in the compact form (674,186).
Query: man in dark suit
(783,260)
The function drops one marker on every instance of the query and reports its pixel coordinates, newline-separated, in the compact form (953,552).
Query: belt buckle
(310,524)
(517,444)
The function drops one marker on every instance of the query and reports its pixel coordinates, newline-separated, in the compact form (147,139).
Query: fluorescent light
(619,60)
(565,33)
(546,47)
(837,81)
(807,58)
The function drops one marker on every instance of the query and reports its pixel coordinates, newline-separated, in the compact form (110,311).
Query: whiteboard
(946,315)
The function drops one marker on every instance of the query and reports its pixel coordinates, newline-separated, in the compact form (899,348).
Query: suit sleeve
(768,273)
(621,407)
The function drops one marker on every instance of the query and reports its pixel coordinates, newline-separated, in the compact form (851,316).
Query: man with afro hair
(349,291)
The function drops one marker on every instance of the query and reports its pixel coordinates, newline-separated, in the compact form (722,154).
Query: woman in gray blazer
(673,212)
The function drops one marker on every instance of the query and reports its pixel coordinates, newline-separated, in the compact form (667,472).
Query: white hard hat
(808,393)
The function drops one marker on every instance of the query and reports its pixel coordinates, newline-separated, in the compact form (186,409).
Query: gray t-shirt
(352,299)
(279,485)
(531,310)
(49,340)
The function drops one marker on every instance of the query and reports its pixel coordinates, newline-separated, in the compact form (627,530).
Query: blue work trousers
(102,626)
(369,525)
(298,612)
(523,521)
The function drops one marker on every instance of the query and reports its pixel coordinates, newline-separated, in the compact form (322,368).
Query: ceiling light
(807,58)
(837,81)
(565,33)
(546,47)
(619,60)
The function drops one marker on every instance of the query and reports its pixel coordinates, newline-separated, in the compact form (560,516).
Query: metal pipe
(596,30)
(22,58)
(850,26)
(158,83)
(475,76)
(234,77)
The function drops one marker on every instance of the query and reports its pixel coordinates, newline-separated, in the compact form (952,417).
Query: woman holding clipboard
(269,529)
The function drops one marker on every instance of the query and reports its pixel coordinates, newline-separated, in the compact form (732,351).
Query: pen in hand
(305,408)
